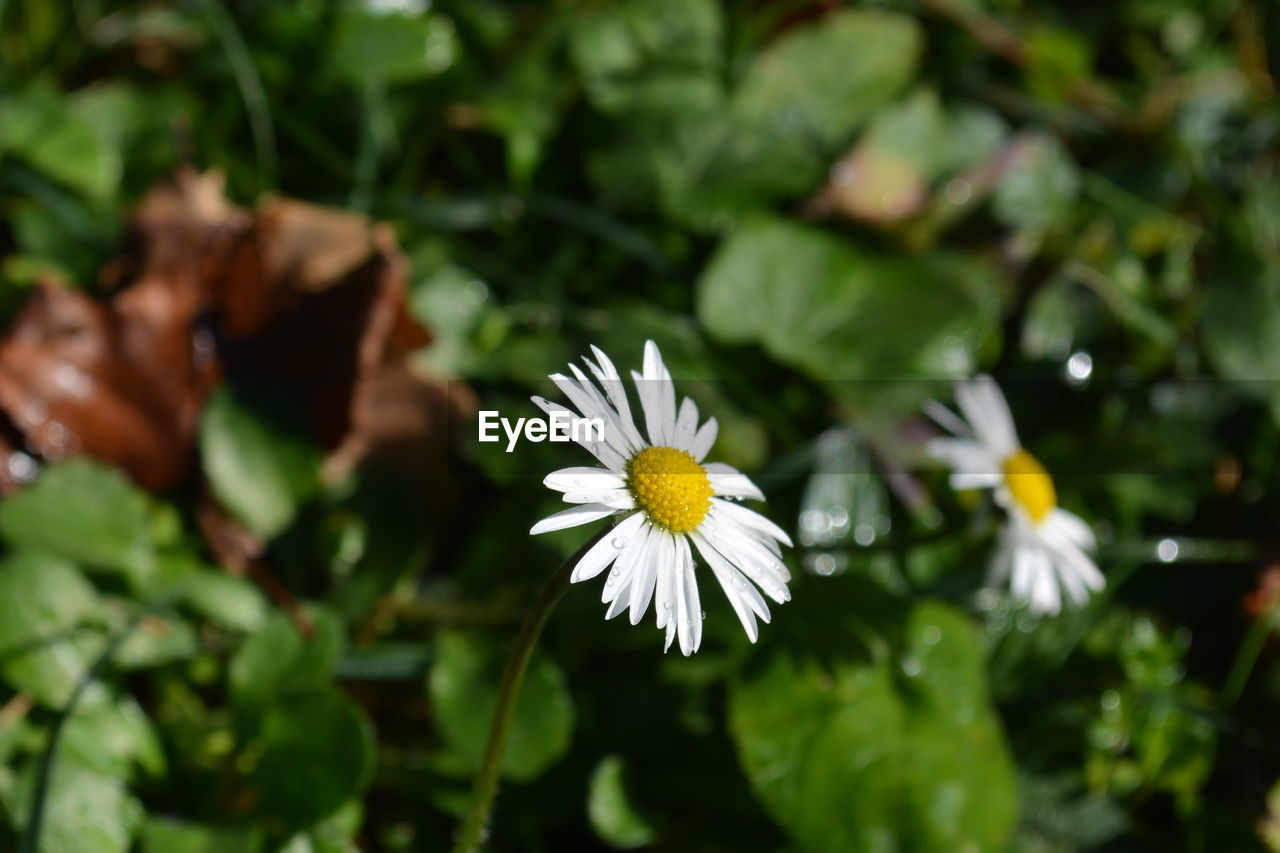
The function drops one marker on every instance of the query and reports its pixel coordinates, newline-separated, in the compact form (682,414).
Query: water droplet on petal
(619,542)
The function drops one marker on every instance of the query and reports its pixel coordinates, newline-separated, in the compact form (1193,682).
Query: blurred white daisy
(1042,550)
(670,504)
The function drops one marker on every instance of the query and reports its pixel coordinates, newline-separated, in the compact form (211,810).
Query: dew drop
(618,542)
(702,614)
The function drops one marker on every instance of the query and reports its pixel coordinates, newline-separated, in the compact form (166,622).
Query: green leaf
(390,48)
(44,600)
(650,57)
(463,686)
(164,835)
(86,511)
(260,469)
(841,312)
(318,751)
(612,815)
(818,83)
(714,159)
(901,753)
(277,661)
(43,127)
(1241,325)
(111,736)
(1039,191)
(228,600)
(85,811)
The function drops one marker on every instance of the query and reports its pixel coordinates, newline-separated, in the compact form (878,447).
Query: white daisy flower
(1042,547)
(669,503)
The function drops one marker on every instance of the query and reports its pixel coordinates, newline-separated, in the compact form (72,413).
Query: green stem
(249,82)
(35,819)
(1246,657)
(485,788)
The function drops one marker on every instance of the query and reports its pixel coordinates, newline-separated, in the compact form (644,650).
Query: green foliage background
(795,199)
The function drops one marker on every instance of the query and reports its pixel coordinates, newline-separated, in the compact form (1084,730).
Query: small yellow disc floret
(1030,485)
(671,487)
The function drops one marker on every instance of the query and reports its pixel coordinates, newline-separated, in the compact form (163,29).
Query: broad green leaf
(819,82)
(45,604)
(1241,327)
(654,58)
(111,735)
(277,661)
(318,751)
(165,835)
(43,127)
(83,510)
(334,834)
(795,107)
(260,469)
(900,753)
(463,686)
(844,313)
(85,811)
(613,816)
(228,600)
(1039,190)
(393,47)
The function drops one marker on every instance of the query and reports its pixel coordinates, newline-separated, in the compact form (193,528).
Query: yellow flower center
(671,487)
(1030,485)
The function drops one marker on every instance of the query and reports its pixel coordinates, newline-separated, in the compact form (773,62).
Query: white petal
(743,596)
(1044,592)
(660,391)
(589,402)
(651,406)
(964,456)
(603,553)
(616,498)
(646,574)
(694,601)
(633,553)
(1073,527)
(985,408)
(947,419)
(971,482)
(729,482)
(572,517)
(1073,561)
(748,556)
(665,594)
(615,392)
(704,439)
(619,604)
(683,571)
(1023,572)
(686,425)
(601,450)
(749,518)
(582,478)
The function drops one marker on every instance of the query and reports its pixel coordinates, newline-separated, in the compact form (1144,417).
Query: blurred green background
(796,200)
